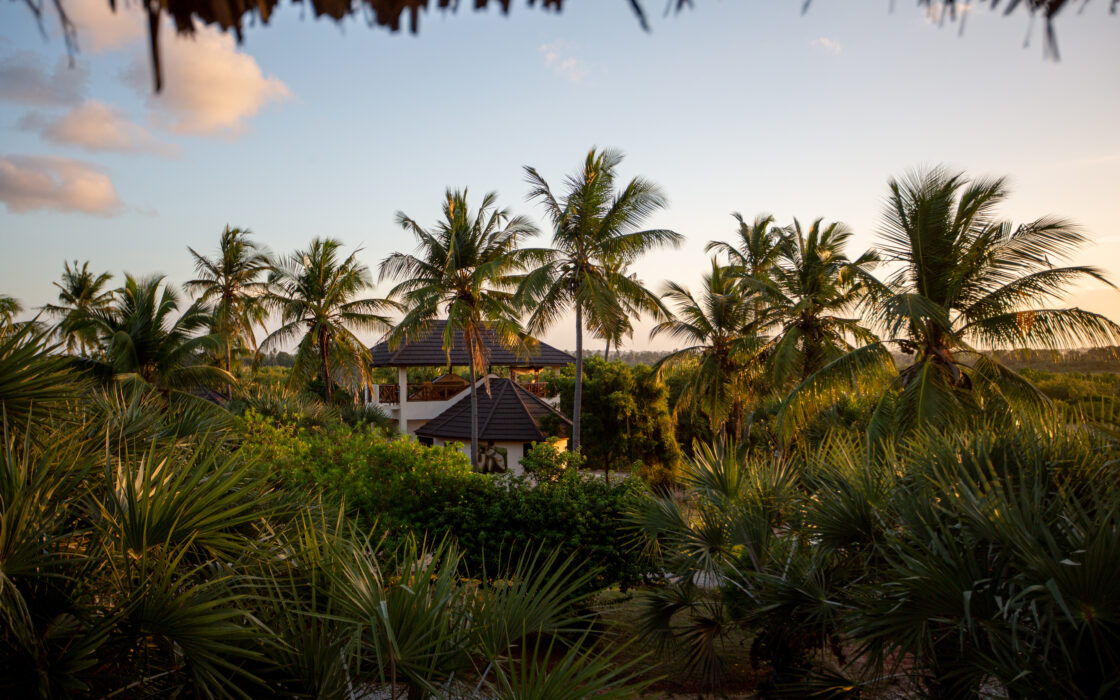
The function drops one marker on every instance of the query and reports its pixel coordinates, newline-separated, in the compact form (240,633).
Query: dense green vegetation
(143,552)
(856,482)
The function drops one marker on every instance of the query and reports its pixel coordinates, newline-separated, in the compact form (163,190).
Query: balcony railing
(538,389)
(388,393)
(428,391)
(435,392)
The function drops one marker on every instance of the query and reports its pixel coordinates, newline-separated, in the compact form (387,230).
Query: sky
(312,128)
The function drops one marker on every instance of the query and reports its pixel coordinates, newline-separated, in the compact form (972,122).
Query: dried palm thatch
(230,14)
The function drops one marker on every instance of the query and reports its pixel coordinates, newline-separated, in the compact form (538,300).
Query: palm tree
(756,251)
(79,294)
(463,269)
(719,331)
(232,282)
(594,238)
(965,283)
(141,336)
(316,293)
(9,308)
(803,295)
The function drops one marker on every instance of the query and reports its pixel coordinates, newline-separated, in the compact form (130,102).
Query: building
(413,407)
(510,420)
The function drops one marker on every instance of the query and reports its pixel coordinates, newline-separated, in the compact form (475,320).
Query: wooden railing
(435,392)
(538,389)
(388,393)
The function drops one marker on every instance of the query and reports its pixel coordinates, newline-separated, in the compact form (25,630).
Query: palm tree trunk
(326,369)
(607,351)
(474,411)
(577,395)
(229,388)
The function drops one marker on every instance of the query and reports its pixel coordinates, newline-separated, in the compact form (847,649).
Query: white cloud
(100,29)
(24,78)
(96,126)
(558,57)
(825,44)
(31,183)
(209,87)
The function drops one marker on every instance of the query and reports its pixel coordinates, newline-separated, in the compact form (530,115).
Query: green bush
(492,516)
(546,461)
(363,466)
(625,418)
(405,487)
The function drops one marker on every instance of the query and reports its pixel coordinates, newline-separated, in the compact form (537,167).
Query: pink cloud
(32,183)
(96,126)
(100,29)
(209,87)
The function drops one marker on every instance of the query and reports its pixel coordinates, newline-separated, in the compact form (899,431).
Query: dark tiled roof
(428,352)
(509,413)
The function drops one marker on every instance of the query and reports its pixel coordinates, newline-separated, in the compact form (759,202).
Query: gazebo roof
(428,351)
(509,414)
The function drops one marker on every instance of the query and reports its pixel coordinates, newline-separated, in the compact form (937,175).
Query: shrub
(625,418)
(404,487)
(546,461)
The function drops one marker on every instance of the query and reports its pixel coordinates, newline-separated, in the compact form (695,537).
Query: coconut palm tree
(756,250)
(9,308)
(316,292)
(807,296)
(462,269)
(144,334)
(233,282)
(965,283)
(754,253)
(79,293)
(595,236)
(719,332)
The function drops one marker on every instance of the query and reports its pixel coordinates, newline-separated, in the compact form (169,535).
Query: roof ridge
(542,403)
(494,401)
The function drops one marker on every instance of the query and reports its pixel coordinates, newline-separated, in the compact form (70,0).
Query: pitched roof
(428,351)
(508,414)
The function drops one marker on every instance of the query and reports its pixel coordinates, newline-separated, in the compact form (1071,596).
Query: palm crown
(79,293)
(803,292)
(964,283)
(719,331)
(142,337)
(232,281)
(316,293)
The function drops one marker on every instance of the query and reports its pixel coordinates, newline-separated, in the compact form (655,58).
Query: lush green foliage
(145,335)
(233,283)
(80,292)
(955,560)
(962,282)
(401,486)
(626,419)
(142,554)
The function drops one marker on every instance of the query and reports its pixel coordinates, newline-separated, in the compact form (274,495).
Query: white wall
(514,452)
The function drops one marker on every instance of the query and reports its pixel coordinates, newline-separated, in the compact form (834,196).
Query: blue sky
(311,128)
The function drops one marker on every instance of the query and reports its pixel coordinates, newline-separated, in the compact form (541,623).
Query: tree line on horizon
(781,310)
